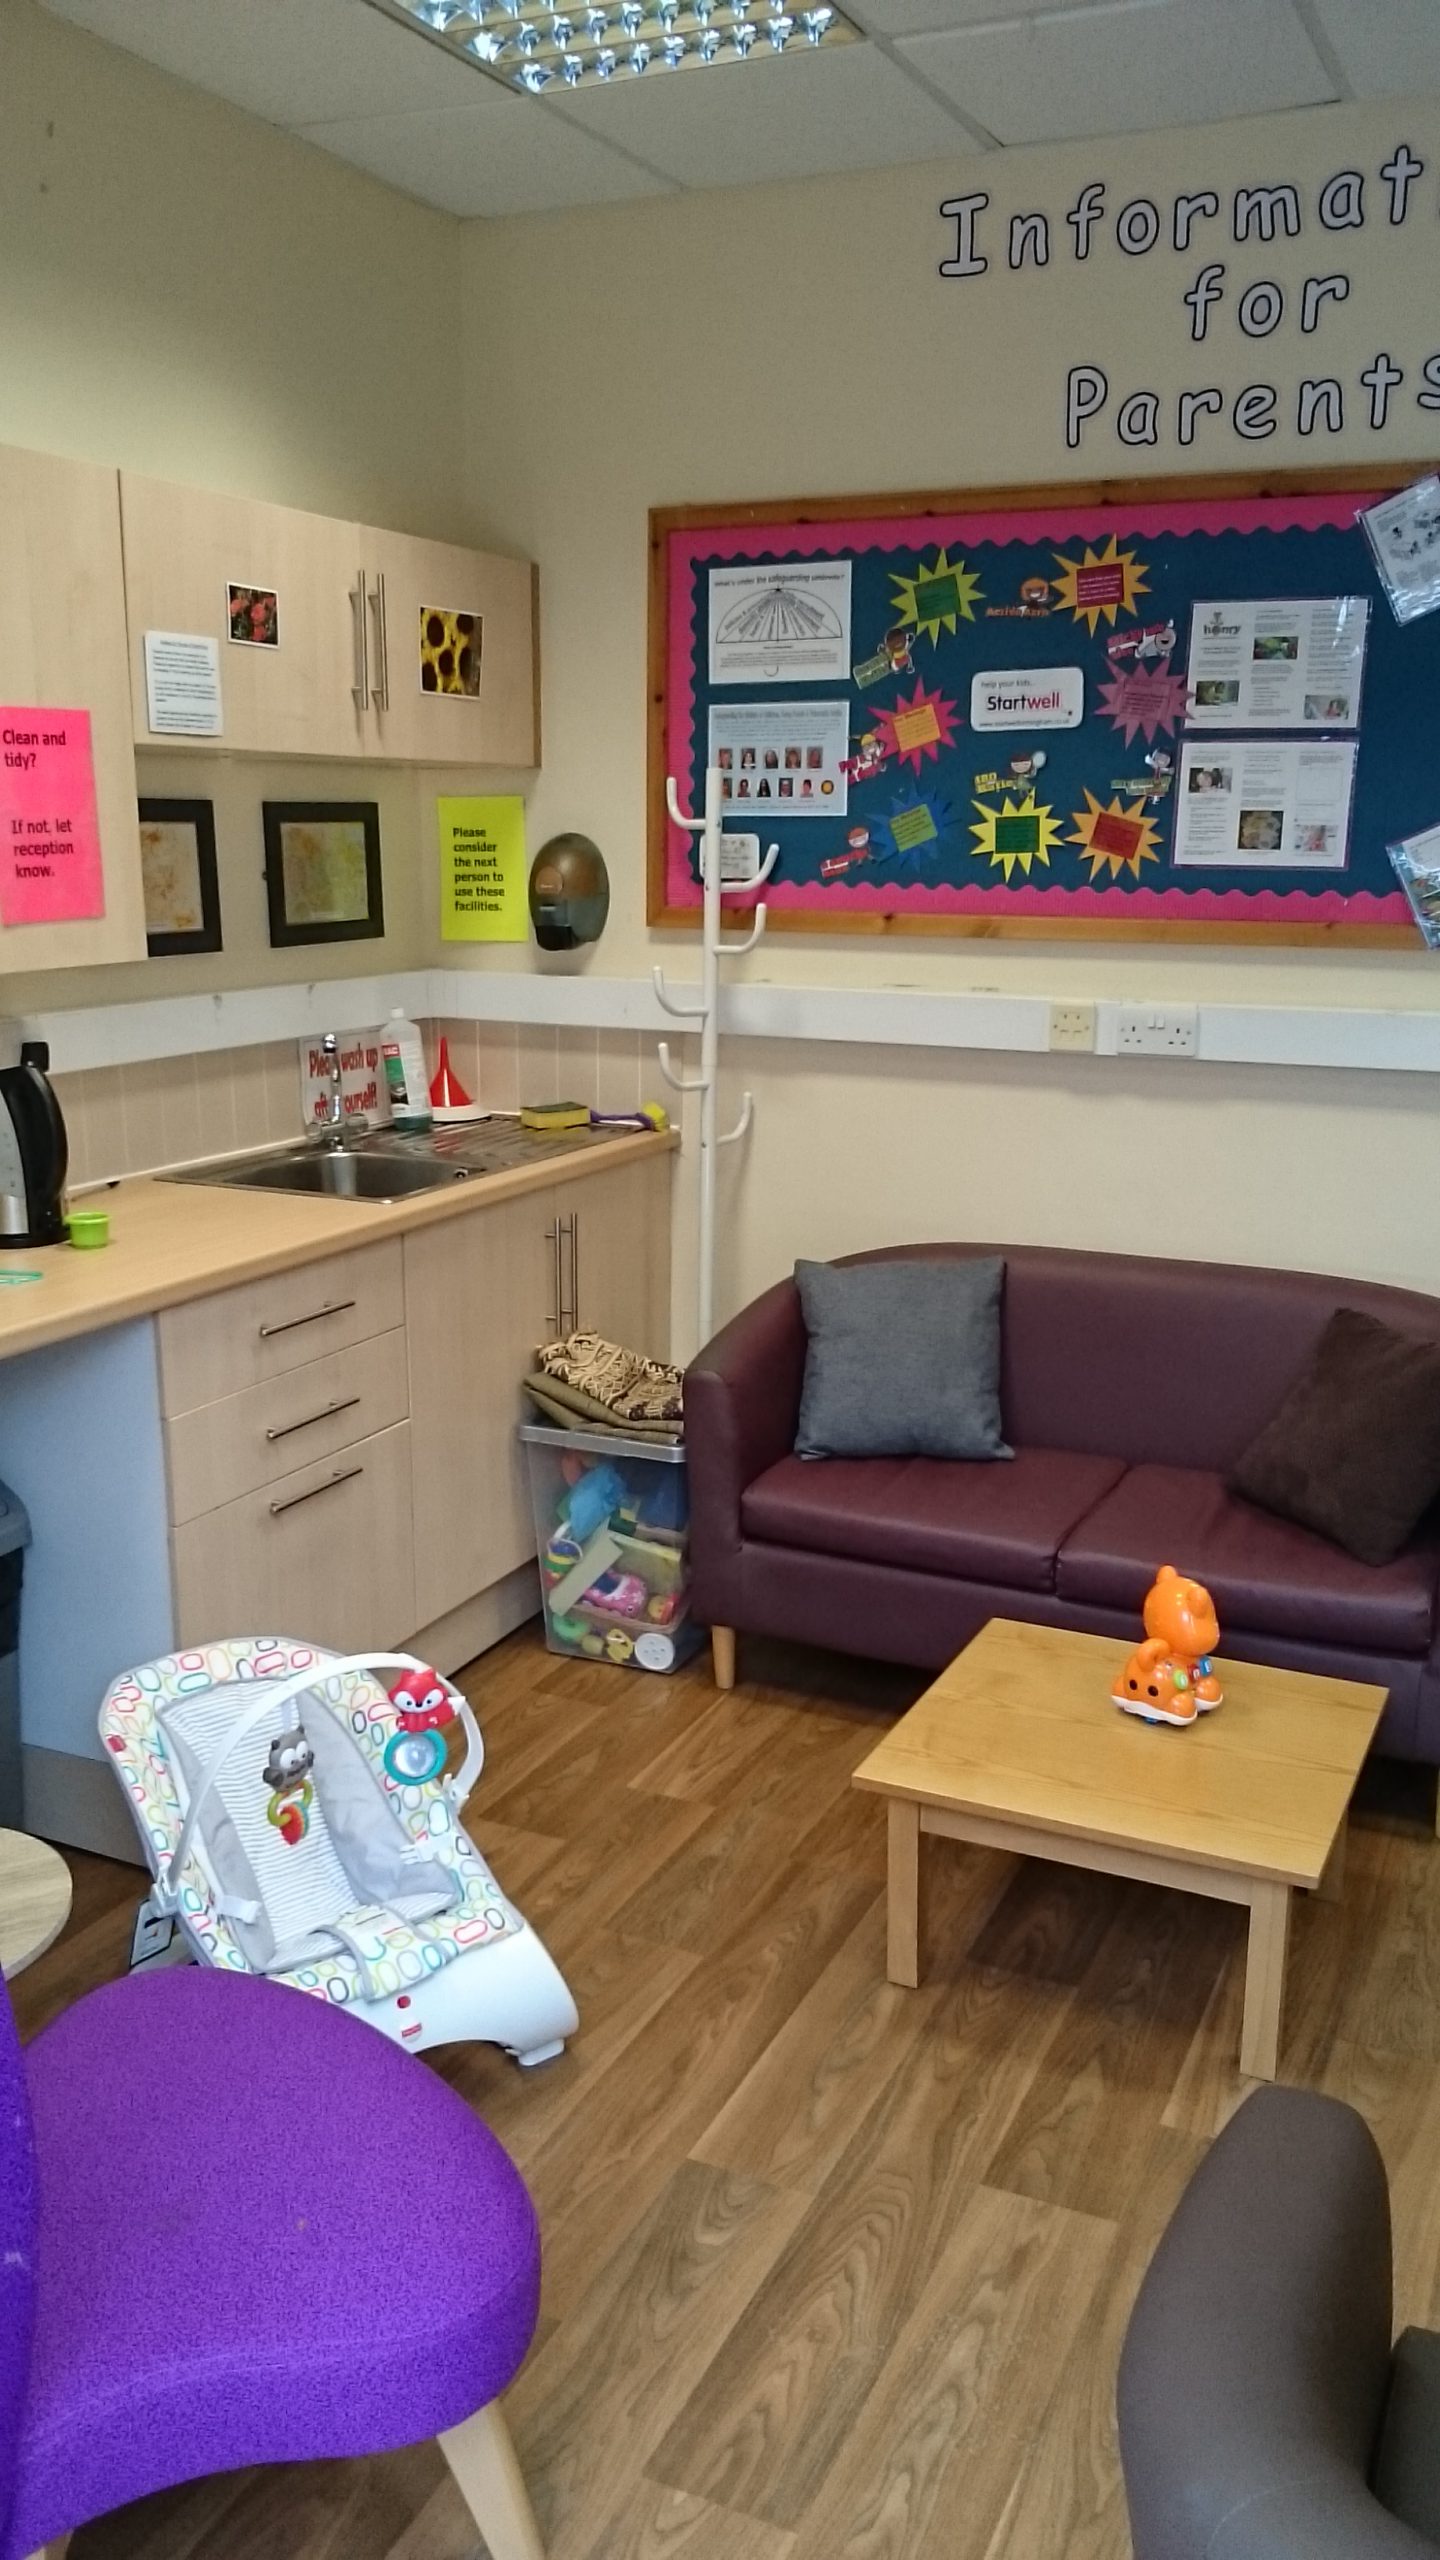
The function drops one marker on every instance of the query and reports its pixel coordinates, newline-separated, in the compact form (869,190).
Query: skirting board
(76,1801)
(1354,1037)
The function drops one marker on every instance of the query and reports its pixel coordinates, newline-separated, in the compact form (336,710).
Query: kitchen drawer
(323,1554)
(218,1451)
(217,1346)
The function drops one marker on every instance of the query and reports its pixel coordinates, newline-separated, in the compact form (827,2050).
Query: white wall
(780,341)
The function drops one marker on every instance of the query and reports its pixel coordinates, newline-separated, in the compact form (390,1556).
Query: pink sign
(50,866)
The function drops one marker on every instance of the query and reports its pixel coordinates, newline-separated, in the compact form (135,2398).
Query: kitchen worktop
(171,1241)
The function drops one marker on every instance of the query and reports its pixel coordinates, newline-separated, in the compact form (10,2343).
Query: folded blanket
(620,1383)
(575,1411)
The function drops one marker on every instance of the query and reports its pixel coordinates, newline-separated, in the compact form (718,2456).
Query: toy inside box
(612,1528)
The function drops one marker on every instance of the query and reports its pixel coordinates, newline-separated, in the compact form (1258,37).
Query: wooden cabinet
(480,1293)
(324,1552)
(184,548)
(62,648)
(347,677)
(418,591)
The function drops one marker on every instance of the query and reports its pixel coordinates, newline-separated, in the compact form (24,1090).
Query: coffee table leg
(902,1957)
(1265,1980)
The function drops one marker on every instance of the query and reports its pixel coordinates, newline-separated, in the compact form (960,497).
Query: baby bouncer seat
(298,1821)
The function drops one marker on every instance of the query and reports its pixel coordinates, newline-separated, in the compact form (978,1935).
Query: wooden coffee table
(1017,1746)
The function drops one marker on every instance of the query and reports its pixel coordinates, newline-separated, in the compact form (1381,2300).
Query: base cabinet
(480,1295)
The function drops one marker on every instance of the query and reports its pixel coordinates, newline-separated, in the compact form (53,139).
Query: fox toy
(1170,1678)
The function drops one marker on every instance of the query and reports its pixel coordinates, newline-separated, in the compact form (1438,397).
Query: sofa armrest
(742,1408)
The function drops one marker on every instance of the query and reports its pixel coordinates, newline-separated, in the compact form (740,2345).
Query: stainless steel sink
(384,1166)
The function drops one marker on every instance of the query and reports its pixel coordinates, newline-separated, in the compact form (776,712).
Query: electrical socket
(1158,1030)
(1072,1026)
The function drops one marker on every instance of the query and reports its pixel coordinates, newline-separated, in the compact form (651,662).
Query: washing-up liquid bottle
(403,1058)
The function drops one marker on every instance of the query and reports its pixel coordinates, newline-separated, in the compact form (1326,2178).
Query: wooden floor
(834,2271)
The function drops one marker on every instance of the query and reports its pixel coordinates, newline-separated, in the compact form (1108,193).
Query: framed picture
(252,616)
(322,871)
(177,866)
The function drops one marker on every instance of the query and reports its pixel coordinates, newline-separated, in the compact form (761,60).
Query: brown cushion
(937,1515)
(1266,1576)
(1354,1450)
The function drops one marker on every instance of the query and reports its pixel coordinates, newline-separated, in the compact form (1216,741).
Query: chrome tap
(332,1127)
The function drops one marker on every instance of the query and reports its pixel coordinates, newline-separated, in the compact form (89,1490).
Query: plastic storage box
(612,1531)
(14,1539)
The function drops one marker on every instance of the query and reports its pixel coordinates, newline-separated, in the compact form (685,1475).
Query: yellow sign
(482,871)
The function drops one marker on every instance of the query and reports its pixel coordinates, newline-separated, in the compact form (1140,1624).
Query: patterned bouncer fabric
(385,1952)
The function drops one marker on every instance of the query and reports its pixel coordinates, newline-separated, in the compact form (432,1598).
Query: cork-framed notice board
(1168,708)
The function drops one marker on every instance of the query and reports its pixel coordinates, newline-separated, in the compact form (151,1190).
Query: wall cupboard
(62,648)
(92,559)
(347,678)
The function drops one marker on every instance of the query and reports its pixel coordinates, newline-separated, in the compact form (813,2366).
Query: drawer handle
(308,1421)
(332,1307)
(328,1486)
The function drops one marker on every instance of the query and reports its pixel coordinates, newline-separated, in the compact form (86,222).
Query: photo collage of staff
(792,772)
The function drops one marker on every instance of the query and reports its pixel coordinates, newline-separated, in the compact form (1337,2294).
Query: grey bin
(14,1539)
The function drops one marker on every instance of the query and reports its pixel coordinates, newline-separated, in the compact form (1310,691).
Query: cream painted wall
(188,292)
(778,341)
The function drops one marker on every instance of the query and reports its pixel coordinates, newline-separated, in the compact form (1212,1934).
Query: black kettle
(34,1152)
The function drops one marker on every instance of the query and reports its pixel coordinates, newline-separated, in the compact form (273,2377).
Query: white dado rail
(1352,1037)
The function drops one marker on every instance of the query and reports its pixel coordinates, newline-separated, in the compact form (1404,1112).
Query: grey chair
(1264,2414)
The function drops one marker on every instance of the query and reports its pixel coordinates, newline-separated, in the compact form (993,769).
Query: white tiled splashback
(162,1111)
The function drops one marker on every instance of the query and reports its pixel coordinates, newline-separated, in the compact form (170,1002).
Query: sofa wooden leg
(722,1651)
(487,2472)
(1437,1804)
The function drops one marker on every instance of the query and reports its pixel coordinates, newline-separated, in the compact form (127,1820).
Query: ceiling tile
(794,117)
(503,154)
(292,61)
(1125,67)
(911,17)
(1386,48)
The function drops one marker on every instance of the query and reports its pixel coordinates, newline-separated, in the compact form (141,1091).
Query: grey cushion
(903,1360)
(1406,2476)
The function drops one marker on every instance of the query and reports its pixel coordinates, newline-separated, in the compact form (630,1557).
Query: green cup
(89,1229)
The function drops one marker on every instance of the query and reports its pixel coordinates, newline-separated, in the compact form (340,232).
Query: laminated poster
(783,623)
(1417,868)
(51,870)
(782,759)
(483,878)
(1277,663)
(1265,804)
(1404,534)
(182,685)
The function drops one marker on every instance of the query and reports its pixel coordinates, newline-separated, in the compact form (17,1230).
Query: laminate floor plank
(833,2270)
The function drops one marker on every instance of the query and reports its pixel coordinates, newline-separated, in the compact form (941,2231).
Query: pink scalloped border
(1034,524)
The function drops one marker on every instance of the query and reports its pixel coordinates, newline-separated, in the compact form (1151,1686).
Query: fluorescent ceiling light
(557,45)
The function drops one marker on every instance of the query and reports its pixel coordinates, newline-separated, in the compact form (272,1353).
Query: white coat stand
(706,1011)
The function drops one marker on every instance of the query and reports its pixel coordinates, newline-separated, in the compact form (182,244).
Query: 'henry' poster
(50,865)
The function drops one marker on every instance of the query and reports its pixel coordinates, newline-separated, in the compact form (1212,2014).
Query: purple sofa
(1129,1387)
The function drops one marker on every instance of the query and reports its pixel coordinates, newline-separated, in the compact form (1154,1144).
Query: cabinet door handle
(381,686)
(556,1320)
(574,1271)
(332,1307)
(360,689)
(307,1421)
(346,1476)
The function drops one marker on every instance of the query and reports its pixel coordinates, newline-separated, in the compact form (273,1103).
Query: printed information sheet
(182,685)
(1265,804)
(789,757)
(782,623)
(1277,664)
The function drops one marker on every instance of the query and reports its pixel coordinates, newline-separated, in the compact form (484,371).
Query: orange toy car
(1170,1678)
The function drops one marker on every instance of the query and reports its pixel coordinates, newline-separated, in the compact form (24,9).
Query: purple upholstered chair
(240,2227)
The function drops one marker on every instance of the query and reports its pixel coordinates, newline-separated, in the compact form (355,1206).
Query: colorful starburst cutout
(939,594)
(1105,582)
(1019,831)
(1139,700)
(915,830)
(918,727)
(1116,838)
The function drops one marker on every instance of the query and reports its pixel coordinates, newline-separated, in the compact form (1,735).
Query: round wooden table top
(35,1893)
